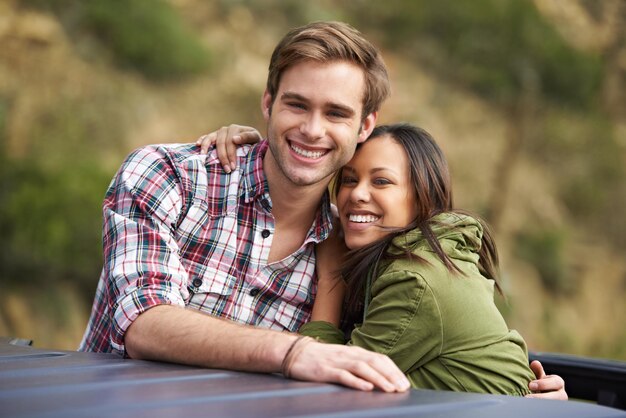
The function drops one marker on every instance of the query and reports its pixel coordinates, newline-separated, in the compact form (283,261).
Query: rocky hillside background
(527,99)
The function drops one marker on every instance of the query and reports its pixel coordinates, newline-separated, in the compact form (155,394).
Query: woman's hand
(331,288)
(546,386)
(226,140)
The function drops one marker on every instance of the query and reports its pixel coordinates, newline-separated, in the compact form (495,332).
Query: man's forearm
(174,334)
(178,335)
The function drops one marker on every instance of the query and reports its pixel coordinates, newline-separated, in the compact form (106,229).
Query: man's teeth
(363,218)
(305,153)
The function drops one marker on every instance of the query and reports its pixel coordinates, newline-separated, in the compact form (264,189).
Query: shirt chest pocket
(209,253)
(295,305)
(214,283)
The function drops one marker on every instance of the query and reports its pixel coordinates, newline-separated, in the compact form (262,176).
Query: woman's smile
(375,192)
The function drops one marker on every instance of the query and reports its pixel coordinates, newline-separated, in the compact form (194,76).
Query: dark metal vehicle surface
(603,381)
(51,383)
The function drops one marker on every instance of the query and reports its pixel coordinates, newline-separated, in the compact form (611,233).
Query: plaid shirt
(179,230)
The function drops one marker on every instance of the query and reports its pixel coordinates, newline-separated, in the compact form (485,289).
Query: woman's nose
(360,193)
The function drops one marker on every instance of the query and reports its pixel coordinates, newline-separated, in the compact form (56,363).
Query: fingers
(548,387)
(350,366)
(388,370)
(559,395)
(346,378)
(231,152)
(240,135)
(249,136)
(226,140)
(223,135)
(382,374)
(537,368)
(205,142)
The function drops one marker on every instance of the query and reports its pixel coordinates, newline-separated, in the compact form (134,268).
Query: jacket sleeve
(403,320)
(323,331)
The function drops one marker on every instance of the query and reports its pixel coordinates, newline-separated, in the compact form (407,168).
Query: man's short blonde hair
(332,41)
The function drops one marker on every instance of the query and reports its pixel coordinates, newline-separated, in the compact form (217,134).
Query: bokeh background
(526,97)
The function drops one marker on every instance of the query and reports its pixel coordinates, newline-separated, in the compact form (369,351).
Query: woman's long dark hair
(430,177)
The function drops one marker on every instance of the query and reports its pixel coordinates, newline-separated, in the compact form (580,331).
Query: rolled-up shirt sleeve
(142,267)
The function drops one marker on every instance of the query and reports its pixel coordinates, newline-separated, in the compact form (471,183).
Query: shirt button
(254,292)
(197,282)
(265,233)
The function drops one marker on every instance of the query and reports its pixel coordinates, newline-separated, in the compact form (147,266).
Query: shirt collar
(323,222)
(254,181)
(255,187)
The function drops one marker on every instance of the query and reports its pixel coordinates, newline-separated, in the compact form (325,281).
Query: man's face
(314,122)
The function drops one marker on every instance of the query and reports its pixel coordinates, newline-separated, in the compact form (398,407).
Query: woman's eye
(348,180)
(382,181)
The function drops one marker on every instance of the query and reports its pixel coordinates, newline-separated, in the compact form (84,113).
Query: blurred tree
(143,35)
(599,27)
(500,49)
(596,190)
(51,203)
(81,111)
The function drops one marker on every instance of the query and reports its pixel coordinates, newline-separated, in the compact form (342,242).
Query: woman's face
(375,190)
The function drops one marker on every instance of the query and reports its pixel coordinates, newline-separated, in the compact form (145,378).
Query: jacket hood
(460,237)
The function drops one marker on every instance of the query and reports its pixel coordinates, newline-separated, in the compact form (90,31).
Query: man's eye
(296,105)
(336,114)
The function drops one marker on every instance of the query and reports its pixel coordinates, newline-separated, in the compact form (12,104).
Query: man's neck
(294,204)
(294,209)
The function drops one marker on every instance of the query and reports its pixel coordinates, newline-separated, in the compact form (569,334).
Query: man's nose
(313,126)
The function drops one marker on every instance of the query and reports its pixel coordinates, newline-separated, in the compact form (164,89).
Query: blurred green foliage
(144,35)
(50,217)
(497,48)
(586,157)
(147,35)
(50,211)
(545,249)
(51,202)
(49,223)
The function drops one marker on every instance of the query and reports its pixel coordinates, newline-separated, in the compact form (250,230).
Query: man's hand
(177,335)
(226,140)
(546,386)
(350,366)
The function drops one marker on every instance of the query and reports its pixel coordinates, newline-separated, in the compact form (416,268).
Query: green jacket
(442,329)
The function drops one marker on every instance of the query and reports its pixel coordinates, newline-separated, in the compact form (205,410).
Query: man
(207,268)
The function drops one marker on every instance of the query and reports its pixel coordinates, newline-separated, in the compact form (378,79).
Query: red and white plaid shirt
(179,230)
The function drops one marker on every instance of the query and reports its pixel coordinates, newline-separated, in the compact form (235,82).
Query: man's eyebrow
(289,95)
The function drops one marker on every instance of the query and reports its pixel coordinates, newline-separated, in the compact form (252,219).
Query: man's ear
(367,126)
(266,105)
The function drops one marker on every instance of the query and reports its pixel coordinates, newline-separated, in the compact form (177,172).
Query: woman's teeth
(363,218)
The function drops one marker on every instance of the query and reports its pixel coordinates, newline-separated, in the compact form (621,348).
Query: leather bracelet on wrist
(292,353)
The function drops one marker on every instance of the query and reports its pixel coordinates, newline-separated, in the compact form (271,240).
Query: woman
(420,276)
